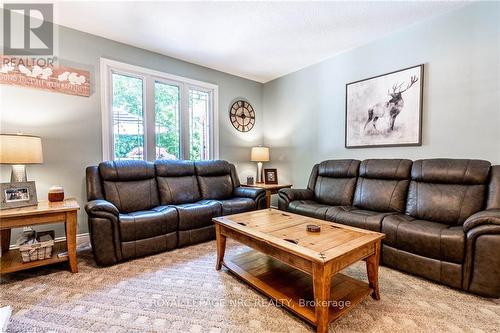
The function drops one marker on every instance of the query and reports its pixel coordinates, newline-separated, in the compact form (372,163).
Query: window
(148,115)
(167,119)
(128,117)
(199,115)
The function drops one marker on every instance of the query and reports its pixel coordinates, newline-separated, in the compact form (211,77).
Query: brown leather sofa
(137,208)
(441,217)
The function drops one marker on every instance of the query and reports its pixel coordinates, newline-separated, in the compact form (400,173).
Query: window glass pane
(199,110)
(128,117)
(167,107)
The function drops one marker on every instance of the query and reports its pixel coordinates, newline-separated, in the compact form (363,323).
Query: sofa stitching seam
(461,203)
(440,255)
(416,198)
(465,171)
(118,194)
(392,194)
(397,231)
(135,236)
(170,191)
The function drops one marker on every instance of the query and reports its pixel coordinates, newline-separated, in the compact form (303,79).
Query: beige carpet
(180,291)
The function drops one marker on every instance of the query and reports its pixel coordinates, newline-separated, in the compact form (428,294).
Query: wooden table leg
(268,198)
(5,240)
(321,286)
(221,246)
(71,225)
(372,263)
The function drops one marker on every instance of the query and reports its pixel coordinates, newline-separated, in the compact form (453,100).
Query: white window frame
(149,77)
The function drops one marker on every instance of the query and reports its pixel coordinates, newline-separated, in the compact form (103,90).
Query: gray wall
(305,111)
(70,126)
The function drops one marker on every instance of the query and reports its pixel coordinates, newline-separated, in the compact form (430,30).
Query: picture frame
(385,110)
(18,194)
(270,176)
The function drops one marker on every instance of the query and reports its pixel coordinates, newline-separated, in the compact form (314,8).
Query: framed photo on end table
(17,194)
(271,176)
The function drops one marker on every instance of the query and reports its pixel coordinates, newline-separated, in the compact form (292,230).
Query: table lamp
(260,154)
(19,150)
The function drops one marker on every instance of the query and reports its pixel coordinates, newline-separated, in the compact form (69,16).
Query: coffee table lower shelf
(293,288)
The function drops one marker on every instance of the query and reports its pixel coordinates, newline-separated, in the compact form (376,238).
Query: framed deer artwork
(385,110)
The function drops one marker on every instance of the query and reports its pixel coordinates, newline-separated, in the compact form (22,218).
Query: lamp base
(18,173)
(260,173)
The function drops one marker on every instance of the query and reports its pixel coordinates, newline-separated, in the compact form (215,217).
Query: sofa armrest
(292,194)
(248,192)
(485,217)
(104,231)
(100,207)
(481,253)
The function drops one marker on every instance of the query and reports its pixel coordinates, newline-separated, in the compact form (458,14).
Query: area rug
(180,291)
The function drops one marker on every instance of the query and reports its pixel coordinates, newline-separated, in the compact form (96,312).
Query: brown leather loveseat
(137,208)
(441,217)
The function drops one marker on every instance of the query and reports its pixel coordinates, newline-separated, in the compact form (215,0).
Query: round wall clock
(242,116)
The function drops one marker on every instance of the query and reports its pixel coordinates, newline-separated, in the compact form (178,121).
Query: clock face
(242,116)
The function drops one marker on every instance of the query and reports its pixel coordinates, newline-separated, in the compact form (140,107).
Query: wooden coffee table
(297,268)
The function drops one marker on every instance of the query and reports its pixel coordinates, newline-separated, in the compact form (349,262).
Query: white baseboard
(80,239)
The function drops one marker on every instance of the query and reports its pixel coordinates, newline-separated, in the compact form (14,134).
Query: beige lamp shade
(260,154)
(20,149)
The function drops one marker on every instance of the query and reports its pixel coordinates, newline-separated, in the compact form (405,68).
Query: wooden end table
(270,190)
(45,212)
(297,268)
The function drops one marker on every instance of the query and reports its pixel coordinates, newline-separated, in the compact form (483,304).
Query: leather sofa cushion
(308,208)
(174,168)
(216,187)
(338,168)
(194,236)
(198,214)
(437,270)
(212,168)
(381,194)
(447,203)
(334,191)
(447,190)
(354,217)
(126,170)
(237,205)
(177,182)
(451,171)
(382,185)
(336,182)
(147,223)
(131,196)
(390,169)
(214,178)
(93,183)
(429,239)
(144,247)
(178,190)
(130,185)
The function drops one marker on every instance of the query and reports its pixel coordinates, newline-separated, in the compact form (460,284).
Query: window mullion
(149,119)
(110,155)
(184,127)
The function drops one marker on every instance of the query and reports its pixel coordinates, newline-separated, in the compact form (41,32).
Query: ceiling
(256,40)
